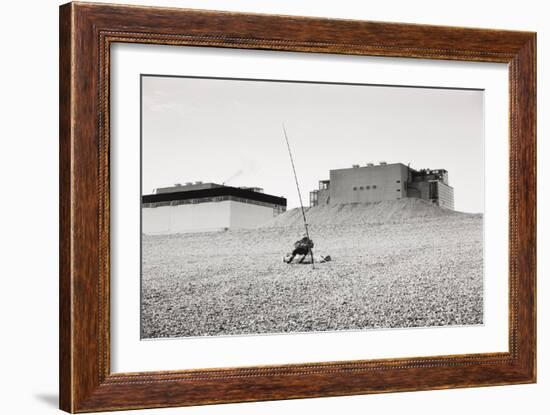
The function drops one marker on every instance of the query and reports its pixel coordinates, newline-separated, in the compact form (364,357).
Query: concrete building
(376,183)
(206,207)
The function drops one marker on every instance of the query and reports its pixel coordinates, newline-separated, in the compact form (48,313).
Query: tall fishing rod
(299,193)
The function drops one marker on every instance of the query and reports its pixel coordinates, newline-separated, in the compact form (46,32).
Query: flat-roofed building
(382,182)
(207,207)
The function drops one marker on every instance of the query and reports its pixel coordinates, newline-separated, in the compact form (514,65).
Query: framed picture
(259,207)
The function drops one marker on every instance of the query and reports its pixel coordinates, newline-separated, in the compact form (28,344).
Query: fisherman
(302,247)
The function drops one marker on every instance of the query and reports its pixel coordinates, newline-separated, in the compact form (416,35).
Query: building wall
(319,197)
(443,195)
(446,196)
(203,217)
(368,184)
(420,190)
(245,215)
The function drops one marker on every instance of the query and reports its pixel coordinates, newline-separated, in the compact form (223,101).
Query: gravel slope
(363,213)
(404,269)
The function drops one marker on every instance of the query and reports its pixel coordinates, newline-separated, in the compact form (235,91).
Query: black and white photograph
(282,206)
(275,207)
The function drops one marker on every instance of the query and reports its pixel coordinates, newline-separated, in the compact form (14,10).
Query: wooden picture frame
(86,33)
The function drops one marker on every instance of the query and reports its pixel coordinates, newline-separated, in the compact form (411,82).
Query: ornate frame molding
(86,33)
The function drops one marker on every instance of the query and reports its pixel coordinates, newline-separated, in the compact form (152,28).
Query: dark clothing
(305,242)
(301,250)
(302,247)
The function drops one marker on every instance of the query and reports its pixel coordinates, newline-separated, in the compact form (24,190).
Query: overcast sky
(231,131)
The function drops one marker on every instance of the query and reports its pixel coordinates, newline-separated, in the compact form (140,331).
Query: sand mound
(363,213)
